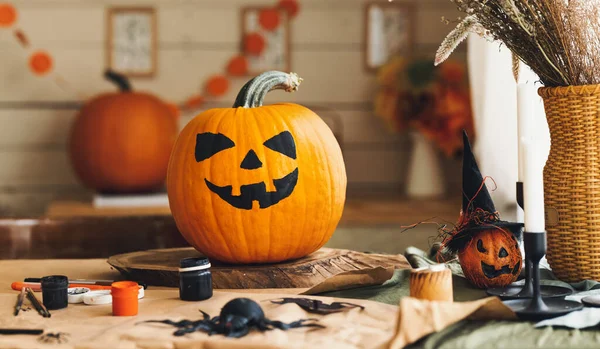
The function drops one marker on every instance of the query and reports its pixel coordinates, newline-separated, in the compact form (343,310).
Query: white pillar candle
(533,187)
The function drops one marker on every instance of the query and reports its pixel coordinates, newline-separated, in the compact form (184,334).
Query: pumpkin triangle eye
(208,144)
(480,247)
(282,143)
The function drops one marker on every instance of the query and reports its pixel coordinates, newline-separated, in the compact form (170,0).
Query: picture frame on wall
(389,30)
(131,41)
(276,53)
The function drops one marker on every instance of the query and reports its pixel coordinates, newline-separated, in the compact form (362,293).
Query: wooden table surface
(93,326)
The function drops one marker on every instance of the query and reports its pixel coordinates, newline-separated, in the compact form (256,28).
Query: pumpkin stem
(119,79)
(253,94)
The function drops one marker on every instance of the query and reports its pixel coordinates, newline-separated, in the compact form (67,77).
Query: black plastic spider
(236,319)
(317,306)
(57,337)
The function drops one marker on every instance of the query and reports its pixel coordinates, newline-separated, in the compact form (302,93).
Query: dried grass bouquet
(558,39)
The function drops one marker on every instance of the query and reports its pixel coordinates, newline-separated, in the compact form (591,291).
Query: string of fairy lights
(41,62)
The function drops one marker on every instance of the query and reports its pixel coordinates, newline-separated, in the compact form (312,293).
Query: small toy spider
(236,319)
(57,337)
(317,306)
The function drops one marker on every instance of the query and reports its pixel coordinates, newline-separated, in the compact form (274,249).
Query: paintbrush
(37,287)
(41,309)
(20,299)
(78,282)
(21,331)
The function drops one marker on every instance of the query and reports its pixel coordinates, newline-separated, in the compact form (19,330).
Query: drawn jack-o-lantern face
(492,259)
(209,144)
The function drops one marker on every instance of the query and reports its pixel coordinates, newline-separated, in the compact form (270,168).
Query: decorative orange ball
(291,6)
(491,259)
(238,66)
(257,184)
(269,19)
(40,63)
(254,44)
(217,86)
(121,142)
(8,15)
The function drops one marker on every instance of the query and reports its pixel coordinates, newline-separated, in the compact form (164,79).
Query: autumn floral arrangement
(415,94)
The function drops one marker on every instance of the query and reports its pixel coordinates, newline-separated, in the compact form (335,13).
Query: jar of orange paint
(124,298)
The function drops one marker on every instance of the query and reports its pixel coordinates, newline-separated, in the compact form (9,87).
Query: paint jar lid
(54,282)
(124,289)
(194,262)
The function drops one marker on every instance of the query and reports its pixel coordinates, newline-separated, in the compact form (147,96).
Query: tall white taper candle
(525,100)
(533,187)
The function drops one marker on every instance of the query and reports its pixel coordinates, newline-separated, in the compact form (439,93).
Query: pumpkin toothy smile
(490,272)
(257,191)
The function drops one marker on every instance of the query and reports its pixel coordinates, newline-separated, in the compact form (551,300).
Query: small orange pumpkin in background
(121,142)
(491,259)
(257,184)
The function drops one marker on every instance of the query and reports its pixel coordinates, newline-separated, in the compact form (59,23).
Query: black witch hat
(478,210)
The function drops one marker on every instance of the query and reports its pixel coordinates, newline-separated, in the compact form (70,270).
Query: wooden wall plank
(35,167)
(382,167)
(34,203)
(32,128)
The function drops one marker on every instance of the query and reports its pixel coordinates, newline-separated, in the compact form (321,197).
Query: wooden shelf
(399,210)
(368,209)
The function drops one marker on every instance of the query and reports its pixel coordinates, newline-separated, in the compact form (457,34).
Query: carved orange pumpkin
(121,142)
(257,184)
(491,259)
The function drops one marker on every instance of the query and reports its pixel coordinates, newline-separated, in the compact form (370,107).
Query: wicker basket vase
(572,181)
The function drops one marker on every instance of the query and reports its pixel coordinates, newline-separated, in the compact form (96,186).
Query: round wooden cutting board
(160,268)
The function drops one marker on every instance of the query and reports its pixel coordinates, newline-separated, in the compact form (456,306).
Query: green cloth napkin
(397,287)
(482,334)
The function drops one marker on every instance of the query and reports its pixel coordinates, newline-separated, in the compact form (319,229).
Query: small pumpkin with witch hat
(487,247)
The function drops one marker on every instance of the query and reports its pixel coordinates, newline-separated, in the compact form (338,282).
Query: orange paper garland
(41,63)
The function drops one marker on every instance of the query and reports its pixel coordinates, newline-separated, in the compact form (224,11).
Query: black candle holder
(536,307)
(516,291)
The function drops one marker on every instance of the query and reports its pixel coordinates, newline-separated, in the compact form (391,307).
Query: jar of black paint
(54,291)
(195,279)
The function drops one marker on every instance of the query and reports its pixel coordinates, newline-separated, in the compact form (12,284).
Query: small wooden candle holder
(432,283)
